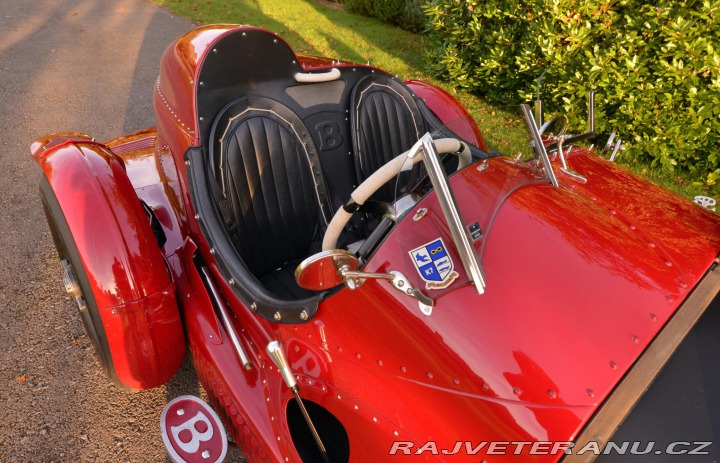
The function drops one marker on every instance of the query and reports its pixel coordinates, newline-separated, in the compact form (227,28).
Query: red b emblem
(192,431)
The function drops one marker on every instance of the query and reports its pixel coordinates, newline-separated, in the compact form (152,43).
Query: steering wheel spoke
(383,175)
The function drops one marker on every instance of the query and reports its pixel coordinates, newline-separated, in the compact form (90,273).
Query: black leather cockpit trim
(248,288)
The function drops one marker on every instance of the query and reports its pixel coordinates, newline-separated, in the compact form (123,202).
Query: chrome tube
(226,322)
(539,146)
(468,256)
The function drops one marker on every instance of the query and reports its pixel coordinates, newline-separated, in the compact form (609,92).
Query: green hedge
(655,67)
(407,14)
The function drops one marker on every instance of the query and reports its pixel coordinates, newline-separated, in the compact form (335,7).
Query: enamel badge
(434,264)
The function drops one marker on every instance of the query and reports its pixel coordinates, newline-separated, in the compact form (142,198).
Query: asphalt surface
(83,66)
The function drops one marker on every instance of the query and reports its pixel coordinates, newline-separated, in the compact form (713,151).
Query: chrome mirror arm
(402,284)
(354,280)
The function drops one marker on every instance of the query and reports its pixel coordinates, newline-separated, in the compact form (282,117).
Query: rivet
(632,227)
(277,316)
(187,163)
(420,214)
(634,339)
(338,397)
(181,411)
(244,34)
(357,355)
(212,250)
(552,394)
(395,433)
(197,216)
(202,84)
(274,40)
(278,438)
(214,50)
(517,390)
(294,62)
(403,369)
(486,386)
(114,311)
(165,293)
(682,284)
(205,454)
(653,317)
(375,419)
(231,282)
(202,118)
(429,375)
(253,307)
(668,263)
(379,362)
(651,244)
(192,81)
(303,315)
(456,381)
(613,211)
(590,392)
(613,365)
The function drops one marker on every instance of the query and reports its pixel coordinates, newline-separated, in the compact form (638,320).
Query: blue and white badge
(434,264)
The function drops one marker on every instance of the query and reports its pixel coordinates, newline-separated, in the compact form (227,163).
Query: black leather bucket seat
(271,191)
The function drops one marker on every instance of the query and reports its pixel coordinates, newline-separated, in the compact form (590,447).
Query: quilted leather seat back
(272,188)
(386,121)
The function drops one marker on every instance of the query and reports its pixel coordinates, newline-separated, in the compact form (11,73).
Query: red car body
(581,279)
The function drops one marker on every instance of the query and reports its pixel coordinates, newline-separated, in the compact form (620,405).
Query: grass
(314,28)
(324,29)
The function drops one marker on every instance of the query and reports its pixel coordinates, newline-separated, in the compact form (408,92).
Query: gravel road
(85,66)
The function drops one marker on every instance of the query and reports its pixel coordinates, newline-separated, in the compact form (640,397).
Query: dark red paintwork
(132,288)
(579,280)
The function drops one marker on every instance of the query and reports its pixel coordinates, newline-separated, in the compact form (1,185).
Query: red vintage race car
(359,278)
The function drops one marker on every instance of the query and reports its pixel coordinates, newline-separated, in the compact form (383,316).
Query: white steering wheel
(383,175)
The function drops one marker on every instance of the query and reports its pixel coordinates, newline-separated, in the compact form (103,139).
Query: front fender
(127,274)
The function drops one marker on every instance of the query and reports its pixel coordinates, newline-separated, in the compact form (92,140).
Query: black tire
(67,250)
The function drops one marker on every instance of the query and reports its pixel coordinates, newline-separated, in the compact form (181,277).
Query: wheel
(76,280)
(380,177)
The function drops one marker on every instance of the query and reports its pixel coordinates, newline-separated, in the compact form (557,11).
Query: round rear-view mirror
(323,270)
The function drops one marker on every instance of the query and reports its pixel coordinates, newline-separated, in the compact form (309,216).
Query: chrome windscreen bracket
(539,145)
(450,210)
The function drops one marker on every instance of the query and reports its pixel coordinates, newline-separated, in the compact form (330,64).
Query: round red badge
(192,431)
